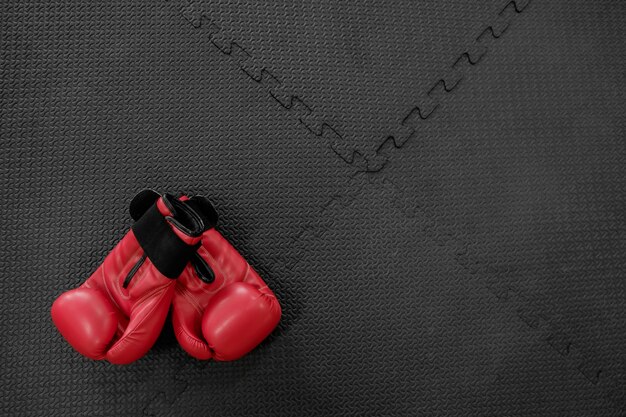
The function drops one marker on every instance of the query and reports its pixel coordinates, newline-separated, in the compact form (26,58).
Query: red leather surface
(229,317)
(103,320)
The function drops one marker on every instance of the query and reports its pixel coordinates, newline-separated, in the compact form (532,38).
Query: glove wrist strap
(167,252)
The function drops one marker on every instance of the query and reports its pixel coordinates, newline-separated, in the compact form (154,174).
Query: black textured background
(452,248)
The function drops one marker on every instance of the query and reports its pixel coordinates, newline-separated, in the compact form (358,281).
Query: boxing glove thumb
(87,319)
(238,318)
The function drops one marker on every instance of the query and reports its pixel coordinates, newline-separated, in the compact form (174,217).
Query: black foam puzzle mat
(435,191)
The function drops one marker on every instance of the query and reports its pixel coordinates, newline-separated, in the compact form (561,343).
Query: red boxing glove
(118,313)
(222,309)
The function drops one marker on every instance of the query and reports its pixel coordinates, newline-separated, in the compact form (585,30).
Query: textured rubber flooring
(436,191)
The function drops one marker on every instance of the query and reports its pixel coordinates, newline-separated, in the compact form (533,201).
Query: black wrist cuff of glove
(167,252)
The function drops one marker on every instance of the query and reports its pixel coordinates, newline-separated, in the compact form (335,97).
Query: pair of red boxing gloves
(172,256)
